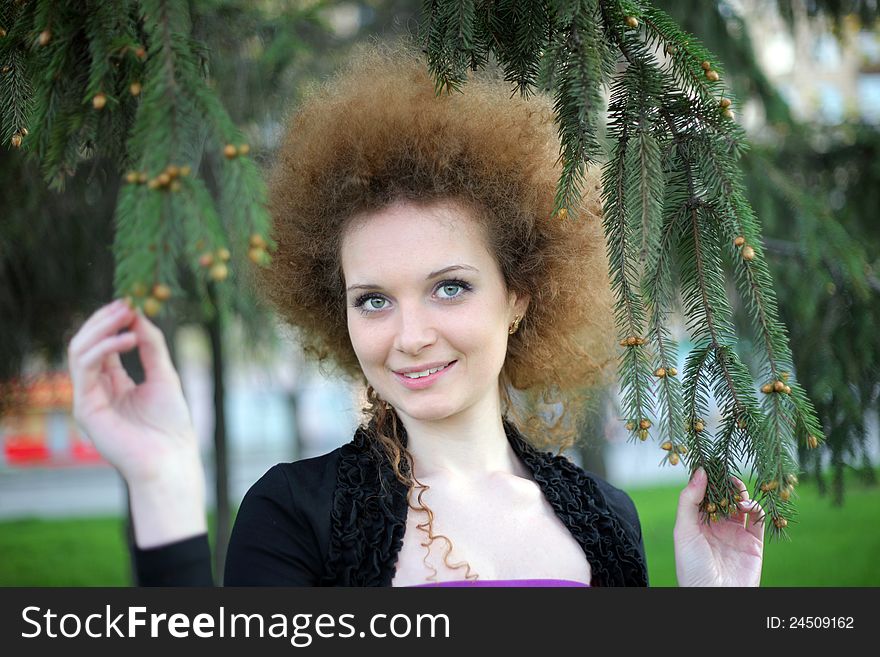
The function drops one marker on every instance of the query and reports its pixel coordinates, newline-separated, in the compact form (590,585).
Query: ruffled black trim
(368,516)
(613,552)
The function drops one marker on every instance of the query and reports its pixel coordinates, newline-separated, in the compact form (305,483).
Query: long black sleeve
(182,563)
(273,543)
(274,540)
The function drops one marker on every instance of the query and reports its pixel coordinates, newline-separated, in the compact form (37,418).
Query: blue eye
(444,285)
(453,285)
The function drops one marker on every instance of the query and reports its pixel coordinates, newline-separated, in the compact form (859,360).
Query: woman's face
(408,308)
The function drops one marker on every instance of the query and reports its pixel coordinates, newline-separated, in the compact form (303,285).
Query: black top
(339,520)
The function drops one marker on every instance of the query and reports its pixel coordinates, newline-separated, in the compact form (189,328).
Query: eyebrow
(433,274)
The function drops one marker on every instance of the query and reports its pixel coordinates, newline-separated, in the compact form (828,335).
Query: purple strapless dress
(467,583)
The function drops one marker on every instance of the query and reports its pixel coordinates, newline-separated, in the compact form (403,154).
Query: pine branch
(673,204)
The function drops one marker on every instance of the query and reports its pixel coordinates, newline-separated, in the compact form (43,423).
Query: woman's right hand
(143,430)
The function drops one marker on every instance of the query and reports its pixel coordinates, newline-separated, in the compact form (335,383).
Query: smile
(423,380)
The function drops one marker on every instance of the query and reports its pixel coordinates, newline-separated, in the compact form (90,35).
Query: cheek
(478,331)
(368,339)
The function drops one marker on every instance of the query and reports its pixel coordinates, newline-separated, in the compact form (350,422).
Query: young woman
(418,255)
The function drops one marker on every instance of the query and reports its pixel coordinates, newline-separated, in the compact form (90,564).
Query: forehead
(407,238)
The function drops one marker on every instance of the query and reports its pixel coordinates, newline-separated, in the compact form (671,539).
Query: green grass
(829,546)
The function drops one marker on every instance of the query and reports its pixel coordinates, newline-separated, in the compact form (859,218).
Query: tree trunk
(221,463)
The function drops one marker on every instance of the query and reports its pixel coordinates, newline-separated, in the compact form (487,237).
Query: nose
(415,329)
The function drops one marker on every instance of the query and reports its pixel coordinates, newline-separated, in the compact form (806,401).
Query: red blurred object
(26,450)
(25,428)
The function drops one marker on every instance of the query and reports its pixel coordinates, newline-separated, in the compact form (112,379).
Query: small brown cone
(230,151)
(748,253)
(632,21)
(152,307)
(219,272)
(45,37)
(161,292)
(99,101)
(812,442)
(673,458)
(739,241)
(135,89)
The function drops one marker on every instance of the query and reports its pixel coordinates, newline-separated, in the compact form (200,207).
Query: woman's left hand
(728,552)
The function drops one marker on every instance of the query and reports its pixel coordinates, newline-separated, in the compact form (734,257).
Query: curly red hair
(377,133)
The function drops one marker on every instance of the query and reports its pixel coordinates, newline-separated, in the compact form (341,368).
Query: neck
(470,444)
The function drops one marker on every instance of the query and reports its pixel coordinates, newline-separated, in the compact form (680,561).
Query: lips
(424,381)
(423,368)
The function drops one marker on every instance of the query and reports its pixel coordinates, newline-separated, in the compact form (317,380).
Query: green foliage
(816,188)
(674,204)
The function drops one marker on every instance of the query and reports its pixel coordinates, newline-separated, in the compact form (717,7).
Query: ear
(518,304)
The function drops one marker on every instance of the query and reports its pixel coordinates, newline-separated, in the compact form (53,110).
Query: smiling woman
(418,255)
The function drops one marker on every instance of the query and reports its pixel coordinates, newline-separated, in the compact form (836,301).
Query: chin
(425,410)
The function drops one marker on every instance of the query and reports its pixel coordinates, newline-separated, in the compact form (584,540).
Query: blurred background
(806,76)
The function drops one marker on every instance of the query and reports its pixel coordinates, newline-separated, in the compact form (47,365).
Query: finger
(740,487)
(112,367)
(94,318)
(754,517)
(90,365)
(690,498)
(106,321)
(153,349)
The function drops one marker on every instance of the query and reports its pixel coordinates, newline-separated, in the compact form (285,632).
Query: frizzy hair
(376,134)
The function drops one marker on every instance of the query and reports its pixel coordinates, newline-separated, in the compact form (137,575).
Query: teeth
(419,375)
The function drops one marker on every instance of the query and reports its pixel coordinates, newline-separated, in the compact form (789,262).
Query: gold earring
(515,326)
